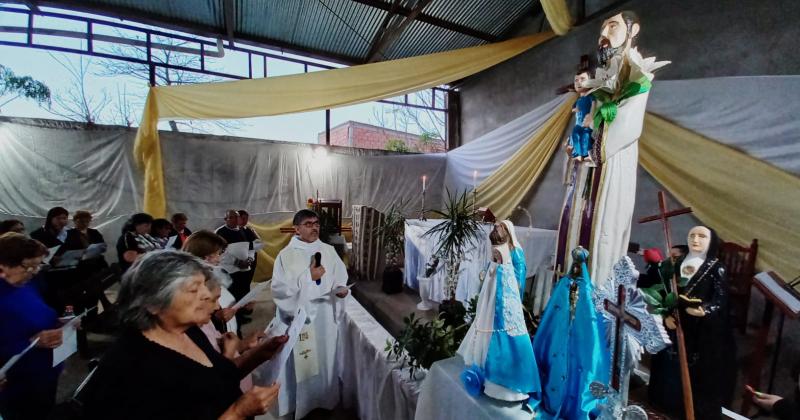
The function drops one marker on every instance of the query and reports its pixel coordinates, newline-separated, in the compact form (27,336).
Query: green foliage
(660,299)
(392,231)
(421,344)
(23,86)
(456,233)
(397,145)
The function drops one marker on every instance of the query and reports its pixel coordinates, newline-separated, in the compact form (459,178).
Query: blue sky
(43,66)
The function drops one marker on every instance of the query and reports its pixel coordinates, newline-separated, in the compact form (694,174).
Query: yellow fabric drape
(274,241)
(740,196)
(304,92)
(558,15)
(503,190)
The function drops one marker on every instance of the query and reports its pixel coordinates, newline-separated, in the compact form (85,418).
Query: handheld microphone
(317,263)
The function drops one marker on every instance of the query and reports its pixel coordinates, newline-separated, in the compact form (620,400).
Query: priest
(309,274)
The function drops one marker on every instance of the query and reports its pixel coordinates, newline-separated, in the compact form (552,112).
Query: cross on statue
(622,318)
(664,216)
(632,331)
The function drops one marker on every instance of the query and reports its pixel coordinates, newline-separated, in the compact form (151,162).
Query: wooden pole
(686,381)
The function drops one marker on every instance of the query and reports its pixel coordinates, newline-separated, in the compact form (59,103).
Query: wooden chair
(740,264)
(330,214)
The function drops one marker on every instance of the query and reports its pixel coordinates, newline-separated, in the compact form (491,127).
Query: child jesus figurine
(579,143)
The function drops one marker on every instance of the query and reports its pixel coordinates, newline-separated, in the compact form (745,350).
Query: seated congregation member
(161,229)
(229,343)
(208,246)
(30,390)
(179,228)
(12,225)
(297,281)
(162,366)
(55,283)
(242,277)
(135,239)
(54,231)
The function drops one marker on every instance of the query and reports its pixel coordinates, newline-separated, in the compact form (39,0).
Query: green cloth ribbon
(608,110)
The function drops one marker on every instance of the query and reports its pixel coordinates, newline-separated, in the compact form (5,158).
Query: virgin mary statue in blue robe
(570,347)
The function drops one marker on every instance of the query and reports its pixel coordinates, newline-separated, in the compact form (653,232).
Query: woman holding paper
(32,382)
(163,366)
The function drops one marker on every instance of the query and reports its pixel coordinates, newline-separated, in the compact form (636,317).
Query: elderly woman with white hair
(163,366)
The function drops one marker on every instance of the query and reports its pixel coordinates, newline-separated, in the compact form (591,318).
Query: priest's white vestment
(310,378)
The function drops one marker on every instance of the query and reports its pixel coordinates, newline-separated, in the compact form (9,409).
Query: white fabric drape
(489,151)
(756,114)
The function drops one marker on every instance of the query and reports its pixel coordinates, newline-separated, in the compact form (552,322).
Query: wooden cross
(664,216)
(622,318)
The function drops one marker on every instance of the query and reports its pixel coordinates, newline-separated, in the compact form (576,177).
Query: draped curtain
(304,92)
(558,15)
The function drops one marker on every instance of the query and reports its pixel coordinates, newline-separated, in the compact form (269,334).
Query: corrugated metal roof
(342,30)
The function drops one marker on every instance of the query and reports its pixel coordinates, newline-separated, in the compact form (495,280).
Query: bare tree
(74,102)
(164,76)
(399,117)
(122,111)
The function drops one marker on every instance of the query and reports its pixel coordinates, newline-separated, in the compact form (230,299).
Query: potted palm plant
(456,234)
(392,231)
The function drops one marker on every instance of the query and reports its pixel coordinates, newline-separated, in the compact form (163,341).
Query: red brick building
(367,136)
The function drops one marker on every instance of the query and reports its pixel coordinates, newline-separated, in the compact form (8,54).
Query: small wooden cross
(622,318)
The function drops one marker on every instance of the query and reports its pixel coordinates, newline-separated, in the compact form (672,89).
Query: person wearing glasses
(30,390)
(309,274)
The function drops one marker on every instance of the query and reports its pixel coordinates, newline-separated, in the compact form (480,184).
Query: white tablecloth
(538,244)
(443,397)
(371,382)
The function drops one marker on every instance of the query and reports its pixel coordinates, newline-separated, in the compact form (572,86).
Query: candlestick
(422,208)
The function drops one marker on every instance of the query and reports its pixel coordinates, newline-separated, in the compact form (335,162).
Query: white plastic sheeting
(48,163)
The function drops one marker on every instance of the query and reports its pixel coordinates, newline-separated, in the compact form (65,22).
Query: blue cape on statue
(571,353)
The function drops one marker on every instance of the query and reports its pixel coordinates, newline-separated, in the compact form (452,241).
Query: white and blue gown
(571,352)
(497,349)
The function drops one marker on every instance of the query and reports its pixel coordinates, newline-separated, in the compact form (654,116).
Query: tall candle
(474,179)
(424,177)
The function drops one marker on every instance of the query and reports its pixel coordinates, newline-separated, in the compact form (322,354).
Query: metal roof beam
(229,11)
(192,28)
(422,17)
(387,36)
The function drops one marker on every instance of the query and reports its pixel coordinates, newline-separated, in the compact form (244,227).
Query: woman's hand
(251,341)
(229,344)
(225,314)
(130,256)
(765,401)
(255,402)
(49,339)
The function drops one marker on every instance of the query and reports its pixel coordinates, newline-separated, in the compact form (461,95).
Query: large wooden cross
(664,216)
(622,318)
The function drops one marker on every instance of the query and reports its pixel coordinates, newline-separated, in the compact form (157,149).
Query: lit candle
(424,177)
(474,179)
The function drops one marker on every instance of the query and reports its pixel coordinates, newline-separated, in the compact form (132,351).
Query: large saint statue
(598,205)
(309,274)
(710,347)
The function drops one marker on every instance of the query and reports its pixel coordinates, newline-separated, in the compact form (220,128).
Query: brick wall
(368,136)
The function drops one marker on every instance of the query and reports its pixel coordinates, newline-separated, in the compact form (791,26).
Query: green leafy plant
(397,145)
(392,232)
(420,344)
(661,300)
(22,86)
(455,234)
